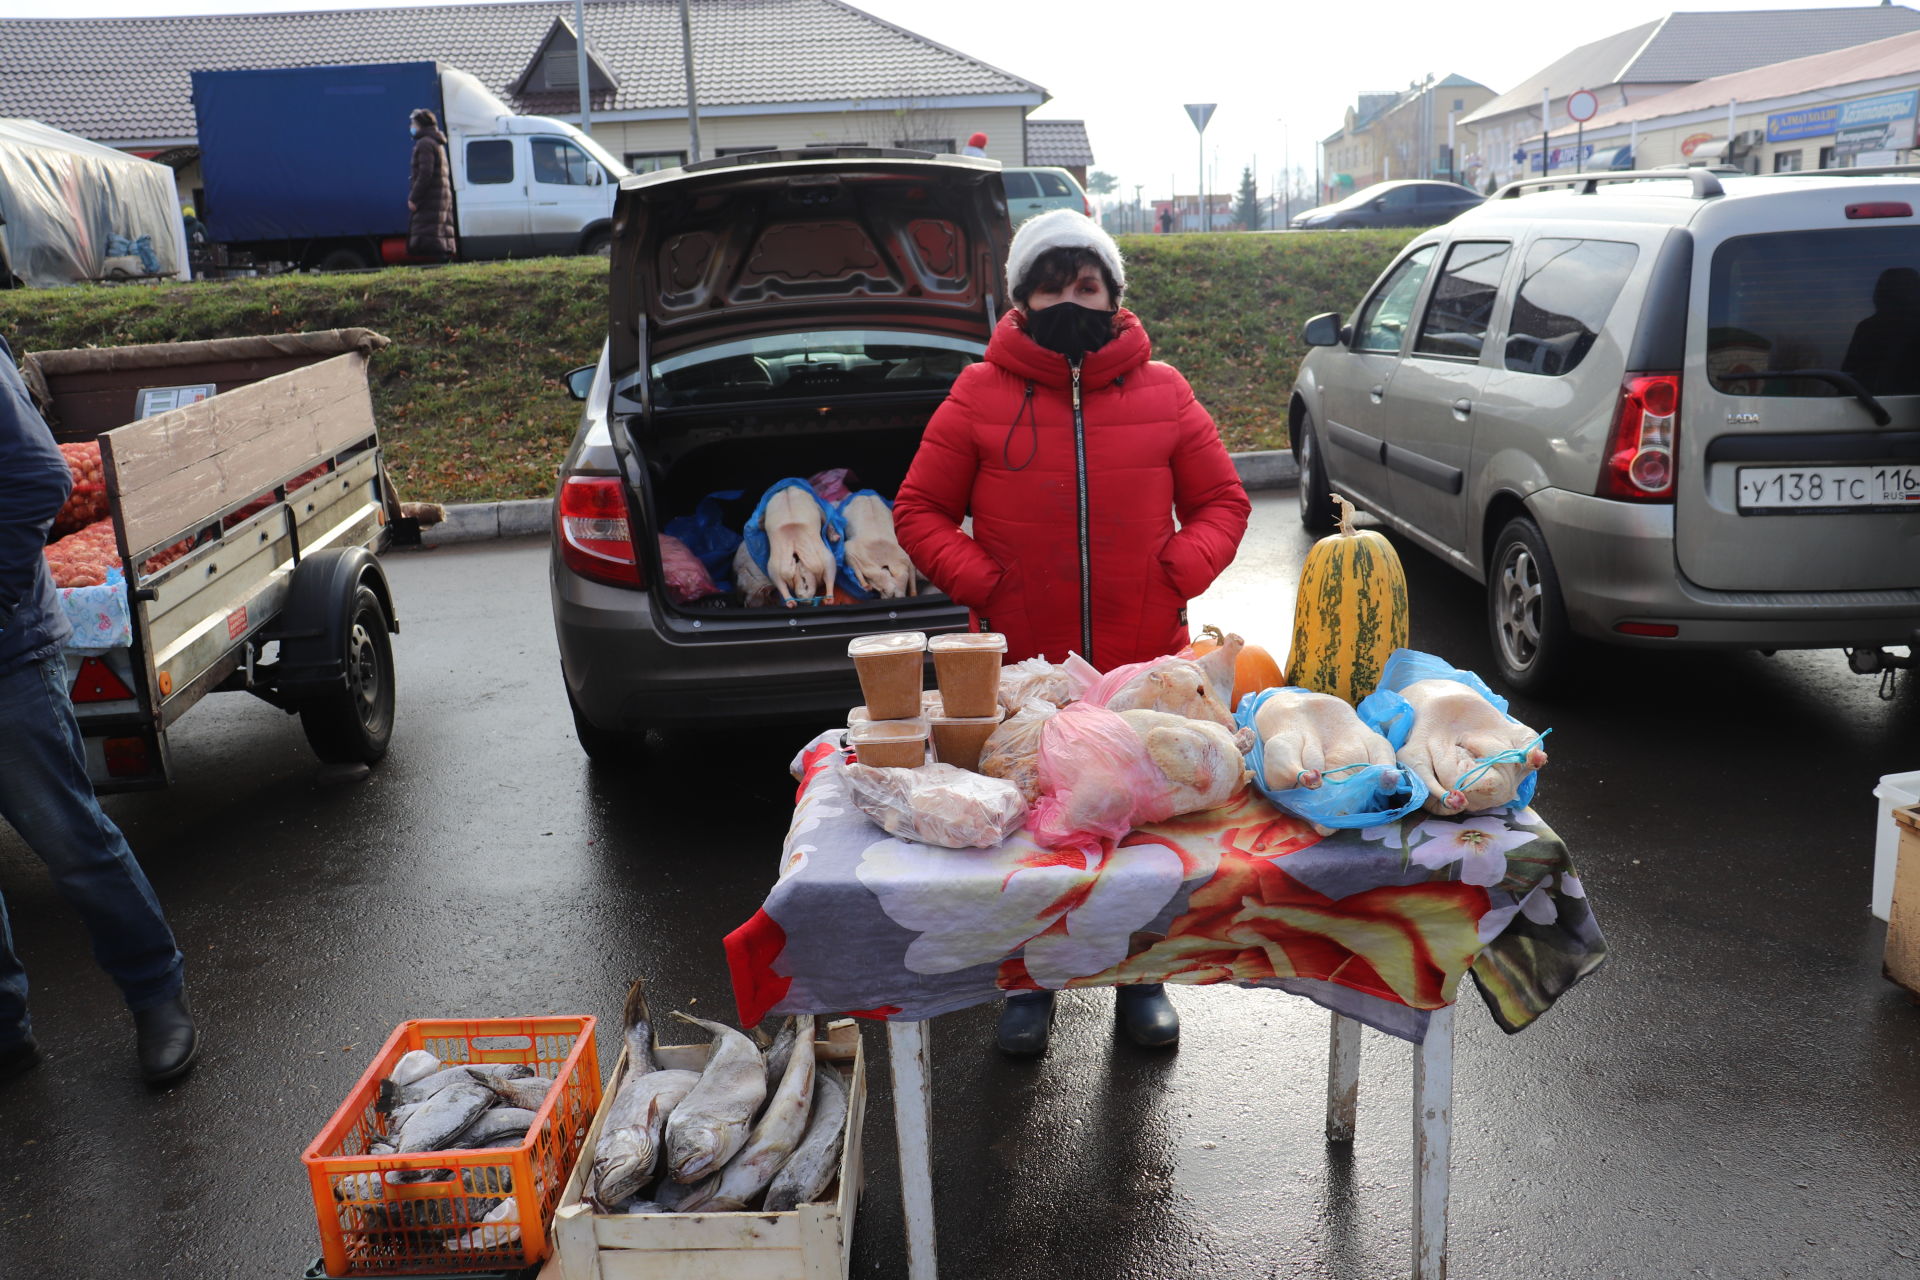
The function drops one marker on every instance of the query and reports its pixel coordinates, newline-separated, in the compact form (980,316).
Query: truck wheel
(1526,616)
(341,258)
(600,242)
(355,724)
(605,746)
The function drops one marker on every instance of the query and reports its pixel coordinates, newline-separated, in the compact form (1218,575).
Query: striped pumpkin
(1350,611)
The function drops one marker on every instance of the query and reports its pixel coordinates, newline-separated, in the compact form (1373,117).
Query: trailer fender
(312,629)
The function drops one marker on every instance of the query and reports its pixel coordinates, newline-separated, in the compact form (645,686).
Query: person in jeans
(45,794)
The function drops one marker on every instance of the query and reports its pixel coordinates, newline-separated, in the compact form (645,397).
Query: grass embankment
(468,396)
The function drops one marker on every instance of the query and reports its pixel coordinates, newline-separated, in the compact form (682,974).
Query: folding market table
(1379,926)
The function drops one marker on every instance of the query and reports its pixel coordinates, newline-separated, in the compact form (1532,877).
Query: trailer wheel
(355,724)
(342,258)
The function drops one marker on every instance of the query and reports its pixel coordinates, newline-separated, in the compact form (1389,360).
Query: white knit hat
(1062,229)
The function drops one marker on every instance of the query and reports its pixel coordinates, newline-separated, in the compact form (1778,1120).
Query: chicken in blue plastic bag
(1454,733)
(791,537)
(872,562)
(1314,757)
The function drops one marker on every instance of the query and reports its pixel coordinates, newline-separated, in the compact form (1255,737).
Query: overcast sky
(1281,71)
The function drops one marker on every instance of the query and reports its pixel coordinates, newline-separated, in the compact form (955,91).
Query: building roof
(1684,47)
(1896,55)
(1058,142)
(126,79)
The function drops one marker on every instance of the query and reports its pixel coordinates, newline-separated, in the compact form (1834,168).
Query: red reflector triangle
(97,683)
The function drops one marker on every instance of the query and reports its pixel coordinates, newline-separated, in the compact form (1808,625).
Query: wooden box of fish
(450,1153)
(770,1197)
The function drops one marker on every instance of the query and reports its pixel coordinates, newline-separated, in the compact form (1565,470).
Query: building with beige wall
(1657,58)
(774,73)
(1410,134)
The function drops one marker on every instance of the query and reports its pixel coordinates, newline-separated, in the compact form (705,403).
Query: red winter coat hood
(1075,545)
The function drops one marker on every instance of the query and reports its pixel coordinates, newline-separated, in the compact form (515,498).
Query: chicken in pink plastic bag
(1198,688)
(1103,773)
(687,579)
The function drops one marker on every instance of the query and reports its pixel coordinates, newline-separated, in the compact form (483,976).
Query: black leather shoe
(1147,1016)
(17,1060)
(168,1042)
(1025,1021)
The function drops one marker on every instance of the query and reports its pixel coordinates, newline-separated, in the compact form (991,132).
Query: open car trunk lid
(780,241)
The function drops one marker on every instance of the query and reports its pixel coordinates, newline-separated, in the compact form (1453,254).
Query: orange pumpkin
(1253,670)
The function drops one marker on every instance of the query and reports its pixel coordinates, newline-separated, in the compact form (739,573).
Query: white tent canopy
(65,200)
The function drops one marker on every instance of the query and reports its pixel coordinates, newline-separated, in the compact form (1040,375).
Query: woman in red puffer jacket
(1075,454)
(1101,496)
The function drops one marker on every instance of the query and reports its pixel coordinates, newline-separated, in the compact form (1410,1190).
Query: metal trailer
(248,523)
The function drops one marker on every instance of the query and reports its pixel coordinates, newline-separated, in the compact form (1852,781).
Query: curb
(486,521)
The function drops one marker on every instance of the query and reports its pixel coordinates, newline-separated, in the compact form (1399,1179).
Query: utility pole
(580,64)
(1137,223)
(1286,152)
(693,99)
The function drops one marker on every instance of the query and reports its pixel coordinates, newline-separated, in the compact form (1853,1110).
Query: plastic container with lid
(890,744)
(966,665)
(889,666)
(957,740)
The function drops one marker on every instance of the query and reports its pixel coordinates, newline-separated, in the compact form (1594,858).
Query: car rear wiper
(1843,382)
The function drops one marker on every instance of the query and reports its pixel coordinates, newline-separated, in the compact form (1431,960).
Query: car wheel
(1525,613)
(600,242)
(1316,496)
(605,746)
(342,258)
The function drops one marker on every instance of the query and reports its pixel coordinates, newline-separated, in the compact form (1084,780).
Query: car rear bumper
(1616,564)
(625,674)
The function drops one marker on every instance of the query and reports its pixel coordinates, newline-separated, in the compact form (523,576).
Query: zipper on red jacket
(1086,543)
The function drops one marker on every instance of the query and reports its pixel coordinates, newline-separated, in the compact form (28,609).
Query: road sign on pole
(1200,113)
(1582,106)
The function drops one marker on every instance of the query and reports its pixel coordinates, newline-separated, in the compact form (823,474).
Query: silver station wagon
(1670,409)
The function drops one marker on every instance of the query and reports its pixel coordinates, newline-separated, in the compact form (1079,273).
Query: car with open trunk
(773,315)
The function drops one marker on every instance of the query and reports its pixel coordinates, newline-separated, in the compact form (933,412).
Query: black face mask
(1070,329)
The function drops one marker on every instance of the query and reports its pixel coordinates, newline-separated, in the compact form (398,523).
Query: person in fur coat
(1101,496)
(430,192)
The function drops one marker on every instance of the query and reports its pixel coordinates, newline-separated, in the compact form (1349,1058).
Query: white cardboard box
(1896,791)
(811,1242)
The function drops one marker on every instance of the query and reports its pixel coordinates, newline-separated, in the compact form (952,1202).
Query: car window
(1461,308)
(1567,290)
(559,163)
(1431,195)
(1020,186)
(1400,197)
(1385,317)
(1846,299)
(1052,184)
(490,160)
(812,364)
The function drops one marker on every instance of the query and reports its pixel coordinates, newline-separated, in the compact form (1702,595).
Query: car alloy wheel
(1518,590)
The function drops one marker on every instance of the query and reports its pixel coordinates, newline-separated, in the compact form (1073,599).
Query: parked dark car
(773,315)
(1392,204)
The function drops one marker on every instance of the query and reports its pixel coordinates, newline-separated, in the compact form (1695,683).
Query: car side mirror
(1323,330)
(1378,202)
(595,176)
(580,381)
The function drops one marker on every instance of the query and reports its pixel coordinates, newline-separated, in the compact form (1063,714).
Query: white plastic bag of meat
(687,579)
(938,804)
(1035,678)
(1012,751)
(1198,688)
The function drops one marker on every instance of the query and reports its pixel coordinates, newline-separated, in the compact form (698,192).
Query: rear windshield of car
(1845,300)
(825,362)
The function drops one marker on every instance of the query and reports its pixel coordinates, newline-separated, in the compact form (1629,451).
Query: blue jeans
(46,796)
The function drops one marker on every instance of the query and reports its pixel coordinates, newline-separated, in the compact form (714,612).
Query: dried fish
(779,1130)
(712,1122)
(629,1145)
(806,1176)
(443,1117)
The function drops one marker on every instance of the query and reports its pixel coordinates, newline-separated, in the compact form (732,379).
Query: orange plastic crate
(374,1226)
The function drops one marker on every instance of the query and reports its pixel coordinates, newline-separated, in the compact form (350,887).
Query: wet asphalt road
(1737,1094)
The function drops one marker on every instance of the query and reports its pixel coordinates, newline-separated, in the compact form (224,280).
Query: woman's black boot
(1146,1015)
(1025,1020)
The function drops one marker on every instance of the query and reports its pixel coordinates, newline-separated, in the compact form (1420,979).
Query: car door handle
(546,202)
(1377,393)
(1463,407)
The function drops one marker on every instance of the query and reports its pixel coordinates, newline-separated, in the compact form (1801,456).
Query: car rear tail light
(1640,451)
(594,532)
(1086,203)
(1658,630)
(1880,209)
(127,757)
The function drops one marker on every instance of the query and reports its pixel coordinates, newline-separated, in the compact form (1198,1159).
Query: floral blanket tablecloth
(1379,925)
(99,615)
